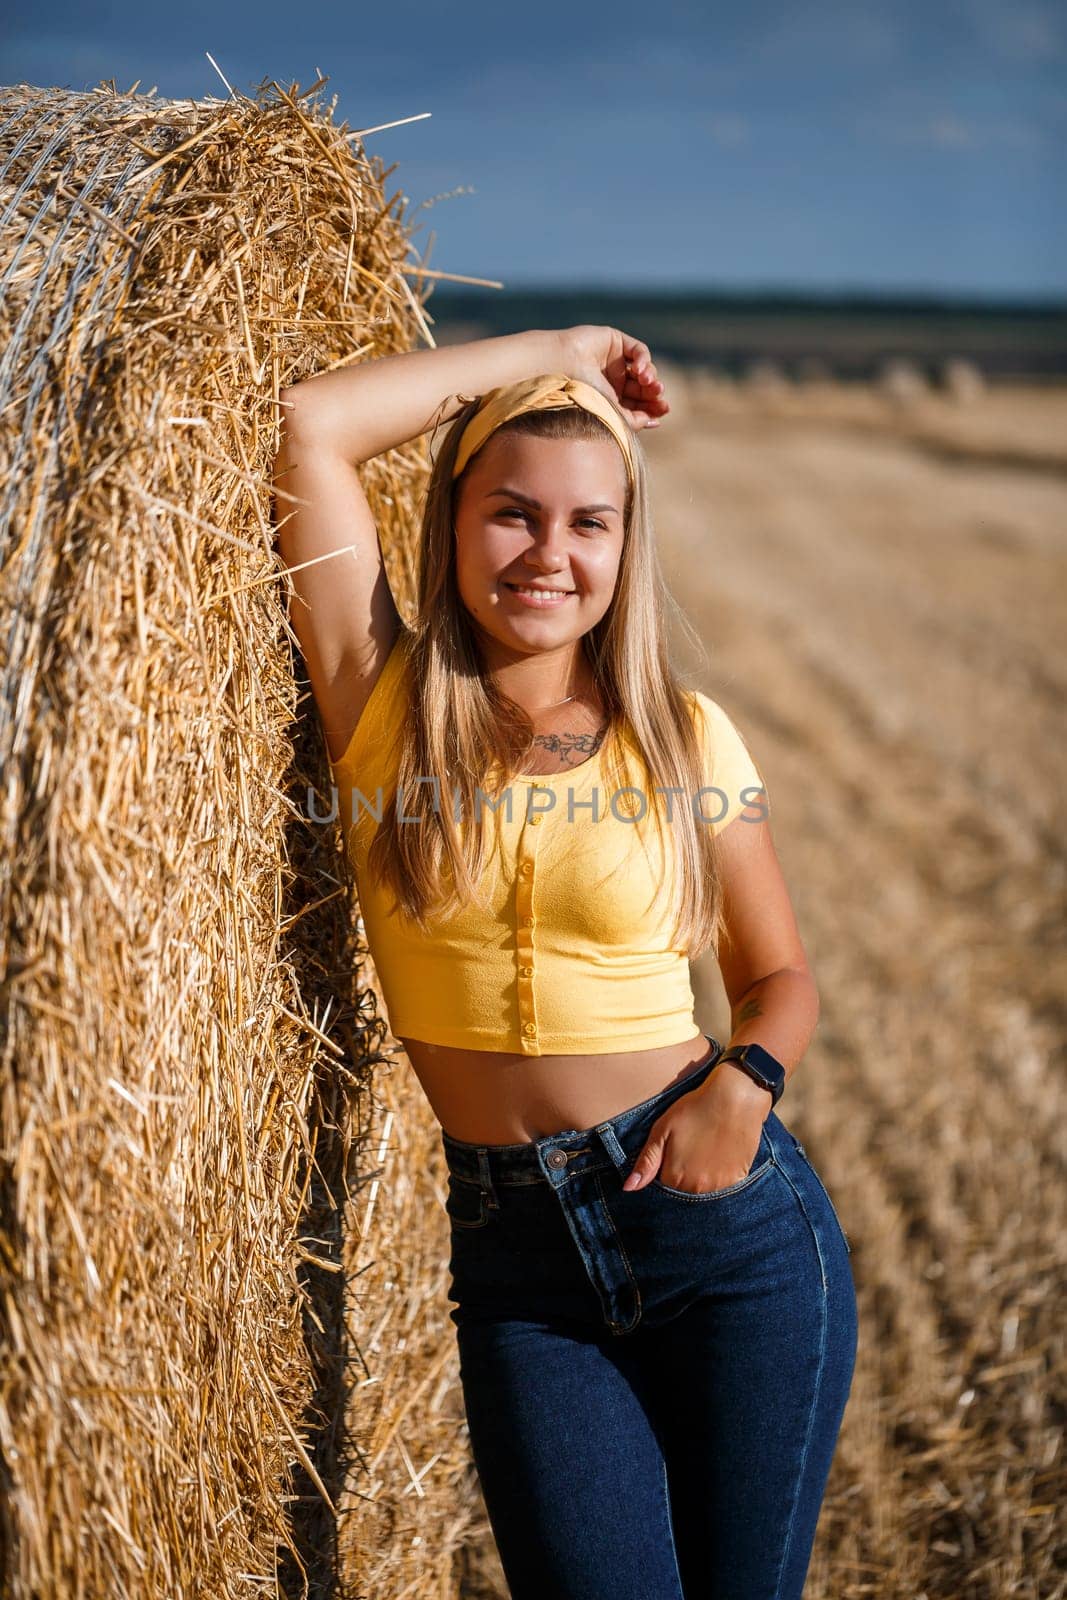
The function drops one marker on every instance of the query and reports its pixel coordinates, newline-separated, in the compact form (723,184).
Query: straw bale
(902,383)
(962,380)
(766,378)
(227,1367)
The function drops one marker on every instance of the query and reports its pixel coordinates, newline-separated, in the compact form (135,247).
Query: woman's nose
(549,548)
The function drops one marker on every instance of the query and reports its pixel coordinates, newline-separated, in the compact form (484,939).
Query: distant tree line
(805,336)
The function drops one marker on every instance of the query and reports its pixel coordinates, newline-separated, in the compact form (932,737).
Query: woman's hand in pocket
(621,367)
(705,1141)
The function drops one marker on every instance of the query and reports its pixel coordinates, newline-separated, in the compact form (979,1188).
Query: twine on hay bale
(188,1026)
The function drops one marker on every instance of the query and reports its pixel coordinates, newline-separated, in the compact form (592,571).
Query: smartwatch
(760,1065)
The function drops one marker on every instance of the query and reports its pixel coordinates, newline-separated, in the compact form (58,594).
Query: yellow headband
(540,394)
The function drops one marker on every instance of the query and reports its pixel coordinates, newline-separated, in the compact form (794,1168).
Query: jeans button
(557,1158)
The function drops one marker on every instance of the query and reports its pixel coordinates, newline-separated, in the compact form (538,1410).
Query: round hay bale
(962,380)
(766,379)
(188,1034)
(902,383)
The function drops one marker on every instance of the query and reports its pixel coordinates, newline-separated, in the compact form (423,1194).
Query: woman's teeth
(541,597)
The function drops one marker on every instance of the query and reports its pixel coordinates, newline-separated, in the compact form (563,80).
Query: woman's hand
(620,367)
(708,1139)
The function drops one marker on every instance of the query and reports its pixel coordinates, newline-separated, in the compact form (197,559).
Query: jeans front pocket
(465,1202)
(762,1162)
(829,1201)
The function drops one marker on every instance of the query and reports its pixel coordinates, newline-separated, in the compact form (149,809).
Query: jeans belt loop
(486,1177)
(609,1139)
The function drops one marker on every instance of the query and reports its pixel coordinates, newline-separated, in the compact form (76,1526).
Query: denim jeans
(654,1380)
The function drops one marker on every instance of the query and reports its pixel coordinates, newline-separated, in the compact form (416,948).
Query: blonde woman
(652,1292)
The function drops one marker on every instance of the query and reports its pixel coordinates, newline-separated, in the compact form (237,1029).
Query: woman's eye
(513,511)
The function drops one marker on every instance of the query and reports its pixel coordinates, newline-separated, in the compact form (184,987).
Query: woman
(652,1293)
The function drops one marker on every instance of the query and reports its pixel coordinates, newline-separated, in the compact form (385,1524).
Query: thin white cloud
(945,129)
(729,130)
(950,132)
(1031,34)
(850,33)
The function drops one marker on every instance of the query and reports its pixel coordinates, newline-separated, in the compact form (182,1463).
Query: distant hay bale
(902,383)
(766,379)
(962,380)
(185,1096)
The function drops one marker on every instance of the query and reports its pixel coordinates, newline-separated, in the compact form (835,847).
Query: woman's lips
(544,600)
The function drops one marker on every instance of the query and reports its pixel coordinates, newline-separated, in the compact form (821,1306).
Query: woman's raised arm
(360,411)
(345,618)
(343,613)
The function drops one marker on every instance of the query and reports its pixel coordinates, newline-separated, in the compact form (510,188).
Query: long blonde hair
(461,727)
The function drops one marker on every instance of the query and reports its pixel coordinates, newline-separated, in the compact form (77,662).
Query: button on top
(527,922)
(527,868)
(529,1027)
(535,822)
(557,1158)
(527,972)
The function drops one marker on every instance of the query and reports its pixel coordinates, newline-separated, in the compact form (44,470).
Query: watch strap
(760,1065)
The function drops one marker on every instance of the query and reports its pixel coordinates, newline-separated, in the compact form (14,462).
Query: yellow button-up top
(569,959)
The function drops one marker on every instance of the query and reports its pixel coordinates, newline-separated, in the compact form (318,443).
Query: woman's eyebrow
(515,494)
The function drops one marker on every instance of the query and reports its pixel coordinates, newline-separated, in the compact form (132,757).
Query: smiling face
(545,514)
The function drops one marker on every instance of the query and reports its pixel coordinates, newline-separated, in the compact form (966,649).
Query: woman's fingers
(641,370)
(639,390)
(645,403)
(635,351)
(639,419)
(643,387)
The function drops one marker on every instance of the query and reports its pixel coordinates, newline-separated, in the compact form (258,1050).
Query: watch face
(756,1072)
(762,1063)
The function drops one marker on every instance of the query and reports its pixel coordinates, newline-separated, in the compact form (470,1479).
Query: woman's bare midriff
(491,1097)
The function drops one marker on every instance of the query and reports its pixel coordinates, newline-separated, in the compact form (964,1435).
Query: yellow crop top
(571,961)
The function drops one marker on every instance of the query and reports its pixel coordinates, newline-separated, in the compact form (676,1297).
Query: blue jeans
(653,1380)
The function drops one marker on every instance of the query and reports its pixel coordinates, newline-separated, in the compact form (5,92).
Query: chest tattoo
(571,748)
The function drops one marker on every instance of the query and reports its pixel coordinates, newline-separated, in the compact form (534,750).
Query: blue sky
(842,144)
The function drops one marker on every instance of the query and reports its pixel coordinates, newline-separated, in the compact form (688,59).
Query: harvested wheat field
(882,594)
(883,597)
